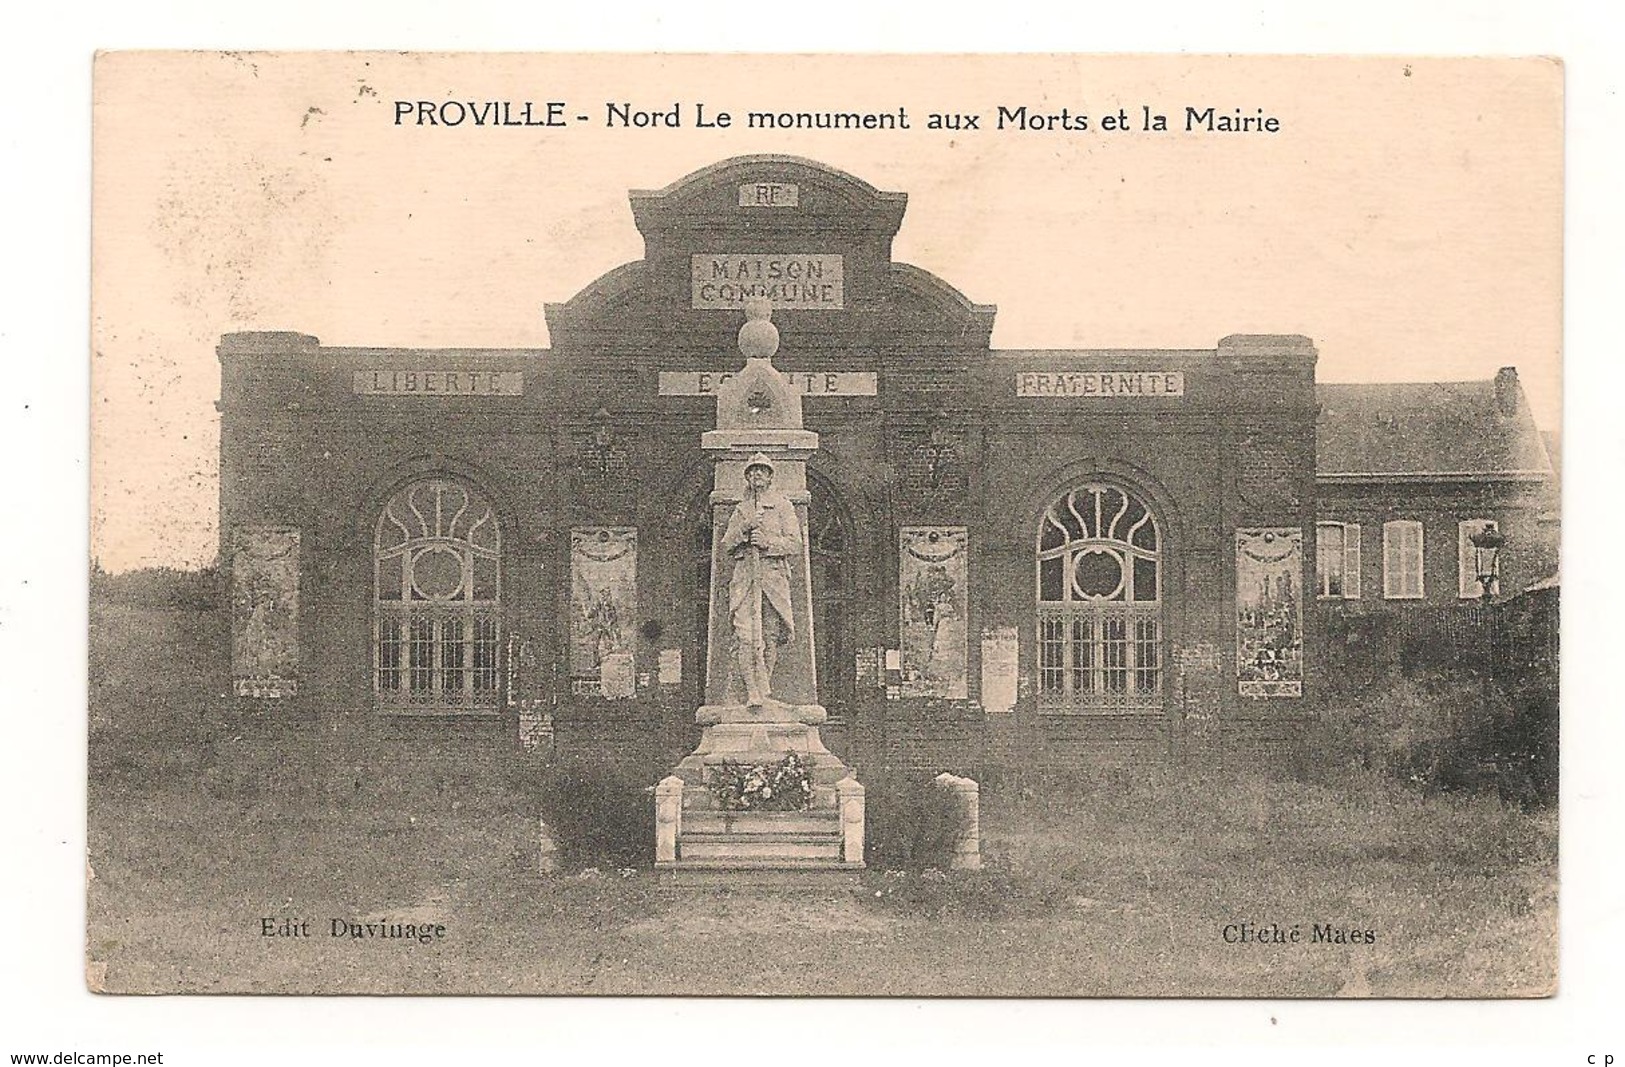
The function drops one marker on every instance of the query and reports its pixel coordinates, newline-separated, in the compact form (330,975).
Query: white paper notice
(1000,649)
(671,666)
(616,678)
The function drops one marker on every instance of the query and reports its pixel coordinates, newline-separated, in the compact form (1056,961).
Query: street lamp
(1486,547)
(1487,544)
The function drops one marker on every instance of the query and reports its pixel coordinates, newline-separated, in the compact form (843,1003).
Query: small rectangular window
(486,634)
(1329,559)
(1402,556)
(1337,560)
(452,650)
(1115,654)
(1051,657)
(421,649)
(389,654)
(1147,656)
(1351,561)
(1083,644)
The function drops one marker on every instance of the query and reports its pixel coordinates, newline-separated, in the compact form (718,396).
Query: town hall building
(1042,557)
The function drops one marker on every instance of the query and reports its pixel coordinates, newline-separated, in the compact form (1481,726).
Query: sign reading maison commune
(791,280)
(439,383)
(1102,383)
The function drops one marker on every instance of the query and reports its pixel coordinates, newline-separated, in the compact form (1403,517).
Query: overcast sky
(1406,216)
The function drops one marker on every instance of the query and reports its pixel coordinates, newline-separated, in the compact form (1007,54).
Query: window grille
(436,611)
(1099,601)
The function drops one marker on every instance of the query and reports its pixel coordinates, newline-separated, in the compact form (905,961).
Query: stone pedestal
(966,796)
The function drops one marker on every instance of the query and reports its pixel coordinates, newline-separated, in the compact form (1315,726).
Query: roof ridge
(1458,381)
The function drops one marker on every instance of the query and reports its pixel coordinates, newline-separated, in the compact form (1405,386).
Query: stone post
(966,795)
(547,850)
(668,819)
(849,798)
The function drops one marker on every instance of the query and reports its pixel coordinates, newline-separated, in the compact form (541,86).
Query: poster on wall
(265,611)
(1269,612)
(603,609)
(527,692)
(932,611)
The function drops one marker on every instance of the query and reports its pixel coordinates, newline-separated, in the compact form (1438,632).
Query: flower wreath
(783,786)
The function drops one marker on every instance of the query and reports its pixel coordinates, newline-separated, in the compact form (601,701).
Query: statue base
(693,831)
(769,711)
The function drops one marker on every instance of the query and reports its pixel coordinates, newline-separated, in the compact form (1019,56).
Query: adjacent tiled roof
(1443,428)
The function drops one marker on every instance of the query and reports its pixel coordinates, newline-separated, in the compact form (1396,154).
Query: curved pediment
(773,191)
(812,240)
(611,292)
(929,297)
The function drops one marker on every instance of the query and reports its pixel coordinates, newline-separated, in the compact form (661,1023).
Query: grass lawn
(1120,885)
(1125,888)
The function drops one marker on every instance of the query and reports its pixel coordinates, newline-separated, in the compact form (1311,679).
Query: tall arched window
(829,550)
(1099,591)
(437,617)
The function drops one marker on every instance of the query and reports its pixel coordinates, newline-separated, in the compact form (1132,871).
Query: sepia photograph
(1009,526)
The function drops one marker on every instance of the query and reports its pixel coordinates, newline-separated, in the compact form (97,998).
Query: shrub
(598,817)
(158,587)
(910,824)
(1450,731)
(1525,741)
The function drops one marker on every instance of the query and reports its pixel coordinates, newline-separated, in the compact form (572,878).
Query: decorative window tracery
(1099,599)
(437,608)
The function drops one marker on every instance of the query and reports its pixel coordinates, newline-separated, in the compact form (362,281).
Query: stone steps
(693,833)
(824,801)
(765,864)
(767,822)
(837,883)
(762,847)
(761,840)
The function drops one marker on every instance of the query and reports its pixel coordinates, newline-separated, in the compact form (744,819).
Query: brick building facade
(1040,557)
(1407,474)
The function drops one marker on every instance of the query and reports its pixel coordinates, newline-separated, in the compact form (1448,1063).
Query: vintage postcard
(1018,526)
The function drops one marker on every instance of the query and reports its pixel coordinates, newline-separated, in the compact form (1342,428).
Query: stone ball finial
(758,338)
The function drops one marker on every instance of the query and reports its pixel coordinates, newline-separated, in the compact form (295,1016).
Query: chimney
(1506,390)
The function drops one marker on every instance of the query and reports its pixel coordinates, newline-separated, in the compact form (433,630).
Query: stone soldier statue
(763,537)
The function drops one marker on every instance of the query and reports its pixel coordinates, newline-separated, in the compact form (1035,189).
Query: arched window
(829,549)
(437,618)
(1099,592)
